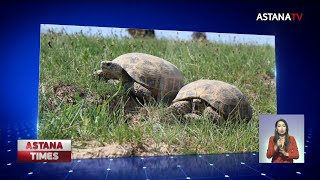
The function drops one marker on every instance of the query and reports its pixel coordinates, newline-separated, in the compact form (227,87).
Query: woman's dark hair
(276,134)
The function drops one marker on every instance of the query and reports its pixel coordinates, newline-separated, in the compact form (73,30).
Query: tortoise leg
(212,114)
(180,108)
(192,116)
(142,92)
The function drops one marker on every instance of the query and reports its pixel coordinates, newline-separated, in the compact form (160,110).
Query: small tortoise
(199,36)
(213,98)
(141,33)
(148,77)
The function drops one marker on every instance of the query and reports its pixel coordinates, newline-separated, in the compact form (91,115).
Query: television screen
(104,115)
(158,90)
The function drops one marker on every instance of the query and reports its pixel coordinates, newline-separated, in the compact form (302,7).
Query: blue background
(297,79)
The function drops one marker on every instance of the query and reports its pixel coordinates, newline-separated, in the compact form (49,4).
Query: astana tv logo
(279,17)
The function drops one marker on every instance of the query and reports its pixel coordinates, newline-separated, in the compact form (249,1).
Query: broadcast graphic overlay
(44,150)
(48,91)
(294,125)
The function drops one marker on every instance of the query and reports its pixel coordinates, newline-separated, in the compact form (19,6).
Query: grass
(70,59)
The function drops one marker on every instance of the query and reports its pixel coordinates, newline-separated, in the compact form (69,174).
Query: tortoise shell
(223,97)
(160,76)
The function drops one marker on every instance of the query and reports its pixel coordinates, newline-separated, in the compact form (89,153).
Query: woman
(282,147)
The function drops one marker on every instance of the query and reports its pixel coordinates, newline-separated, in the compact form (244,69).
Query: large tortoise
(148,77)
(214,98)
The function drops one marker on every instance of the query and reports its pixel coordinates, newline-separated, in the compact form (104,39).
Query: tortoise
(199,36)
(148,77)
(141,33)
(216,99)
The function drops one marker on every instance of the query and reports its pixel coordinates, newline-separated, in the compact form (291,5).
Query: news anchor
(282,147)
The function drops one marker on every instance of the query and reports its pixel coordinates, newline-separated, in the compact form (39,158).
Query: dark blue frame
(296,60)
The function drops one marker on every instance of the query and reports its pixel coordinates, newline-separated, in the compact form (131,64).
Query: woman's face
(281,128)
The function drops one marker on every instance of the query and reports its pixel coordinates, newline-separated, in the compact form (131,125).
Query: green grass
(72,58)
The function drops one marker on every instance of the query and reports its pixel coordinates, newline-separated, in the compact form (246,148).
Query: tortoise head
(198,105)
(111,70)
